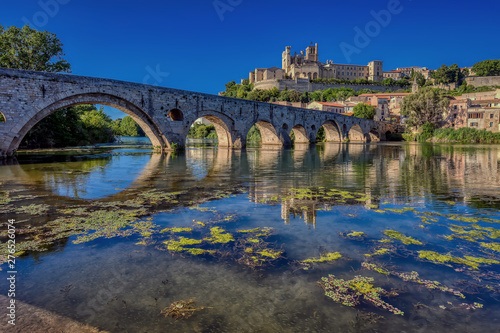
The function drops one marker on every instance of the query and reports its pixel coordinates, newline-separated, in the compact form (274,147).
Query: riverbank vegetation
(202,131)
(465,135)
(246,91)
(79,125)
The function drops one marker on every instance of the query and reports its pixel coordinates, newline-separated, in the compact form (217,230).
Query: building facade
(306,65)
(475,110)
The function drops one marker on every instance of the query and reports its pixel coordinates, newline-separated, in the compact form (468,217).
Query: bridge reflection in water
(396,170)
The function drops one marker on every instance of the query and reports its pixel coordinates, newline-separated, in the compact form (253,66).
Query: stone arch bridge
(166,114)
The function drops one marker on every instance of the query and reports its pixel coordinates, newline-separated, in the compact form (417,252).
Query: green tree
(26,48)
(388,82)
(445,74)
(74,126)
(420,79)
(487,68)
(428,105)
(2,118)
(365,111)
(128,127)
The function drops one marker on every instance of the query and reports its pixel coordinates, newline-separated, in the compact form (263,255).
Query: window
(491,116)
(491,124)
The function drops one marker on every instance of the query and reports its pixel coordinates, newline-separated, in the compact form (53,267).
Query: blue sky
(191,45)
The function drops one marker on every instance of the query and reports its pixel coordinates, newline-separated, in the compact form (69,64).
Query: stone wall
(480,81)
(305,85)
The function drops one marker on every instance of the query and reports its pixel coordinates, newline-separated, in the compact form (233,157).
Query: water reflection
(335,189)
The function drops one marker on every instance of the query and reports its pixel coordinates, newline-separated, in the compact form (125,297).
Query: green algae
(219,235)
(467,260)
(177,230)
(253,240)
(249,230)
(413,277)
(356,234)
(379,211)
(327,257)
(379,252)
(203,209)
(178,245)
(399,236)
(33,209)
(400,210)
(375,268)
(385,240)
(270,253)
(352,292)
(492,246)
(482,260)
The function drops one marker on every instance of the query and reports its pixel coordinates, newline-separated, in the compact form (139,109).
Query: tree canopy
(445,74)
(487,68)
(428,105)
(29,49)
(78,125)
(127,127)
(365,111)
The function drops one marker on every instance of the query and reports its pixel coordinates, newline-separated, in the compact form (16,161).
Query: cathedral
(307,66)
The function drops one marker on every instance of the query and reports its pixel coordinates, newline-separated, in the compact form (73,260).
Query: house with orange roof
(327,106)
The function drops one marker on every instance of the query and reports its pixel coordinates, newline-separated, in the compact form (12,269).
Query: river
(265,240)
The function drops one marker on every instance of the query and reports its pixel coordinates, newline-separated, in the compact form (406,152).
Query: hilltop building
(306,65)
(477,110)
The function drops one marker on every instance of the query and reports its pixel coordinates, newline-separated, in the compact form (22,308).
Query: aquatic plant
(203,209)
(327,257)
(492,246)
(181,309)
(270,253)
(400,210)
(375,268)
(177,230)
(178,245)
(379,252)
(399,236)
(468,261)
(356,234)
(219,235)
(33,209)
(352,292)
(463,306)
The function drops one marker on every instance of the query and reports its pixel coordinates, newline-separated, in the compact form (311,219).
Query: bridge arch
(300,134)
(140,116)
(333,132)
(268,133)
(222,123)
(356,134)
(374,135)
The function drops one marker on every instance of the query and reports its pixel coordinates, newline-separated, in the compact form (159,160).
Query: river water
(112,236)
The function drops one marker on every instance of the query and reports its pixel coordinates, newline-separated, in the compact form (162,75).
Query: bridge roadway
(166,114)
